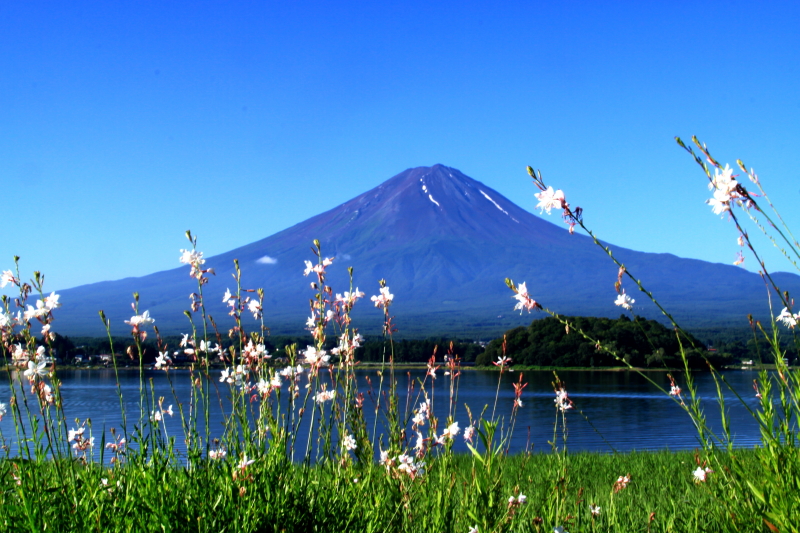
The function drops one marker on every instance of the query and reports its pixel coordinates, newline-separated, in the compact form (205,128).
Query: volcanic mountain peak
(444,242)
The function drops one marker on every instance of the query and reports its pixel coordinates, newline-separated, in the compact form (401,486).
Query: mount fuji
(444,243)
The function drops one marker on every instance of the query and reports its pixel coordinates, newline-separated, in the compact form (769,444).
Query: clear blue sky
(122,124)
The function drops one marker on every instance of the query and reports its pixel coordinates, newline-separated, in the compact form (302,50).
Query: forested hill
(547,343)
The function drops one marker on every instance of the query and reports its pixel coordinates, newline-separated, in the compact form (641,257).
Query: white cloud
(267,260)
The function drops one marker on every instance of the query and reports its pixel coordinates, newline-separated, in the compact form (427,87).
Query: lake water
(619,411)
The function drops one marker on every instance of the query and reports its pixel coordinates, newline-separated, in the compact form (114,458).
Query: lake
(613,411)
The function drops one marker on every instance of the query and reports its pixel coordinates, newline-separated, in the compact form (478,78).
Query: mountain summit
(444,243)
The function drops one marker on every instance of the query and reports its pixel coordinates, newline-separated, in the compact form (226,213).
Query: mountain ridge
(444,243)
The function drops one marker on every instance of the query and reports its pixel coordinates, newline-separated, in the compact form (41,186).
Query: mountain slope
(444,243)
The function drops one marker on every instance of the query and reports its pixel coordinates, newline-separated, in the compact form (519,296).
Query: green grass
(274,495)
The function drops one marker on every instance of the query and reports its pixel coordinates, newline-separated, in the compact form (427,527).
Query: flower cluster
(726,188)
(117,445)
(325,396)
(194,259)
(43,308)
(158,414)
(384,299)
(408,466)
(422,415)
(315,358)
(80,443)
(349,443)
(622,482)
(219,453)
(235,376)
(347,347)
(562,401)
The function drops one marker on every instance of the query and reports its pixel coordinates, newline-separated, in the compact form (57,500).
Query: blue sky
(122,124)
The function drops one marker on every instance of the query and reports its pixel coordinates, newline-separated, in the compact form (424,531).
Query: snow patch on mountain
(495,203)
(266,260)
(434,201)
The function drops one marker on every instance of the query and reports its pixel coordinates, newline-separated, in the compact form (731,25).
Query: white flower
(318,268)
(244,463)
(36,370)
(255,307)
(51,302)
(350,443)
(3,410)
(700,474)
(74,434)
(6,278)
(409,467)
(384,460)
(36,312)
(6,319)
(595,509)
(787,318)
(469,433)
(140,320)
(314,356)
(524,300)
(550,199)
(519,500)
(192,257)
(162,360)
(473,529)
(724,181)
(451,431)
(624,300)
(324,396)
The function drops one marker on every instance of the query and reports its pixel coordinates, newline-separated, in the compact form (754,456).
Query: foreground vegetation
(273,495)
(296,453)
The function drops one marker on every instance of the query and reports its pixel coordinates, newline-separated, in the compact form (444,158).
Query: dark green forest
(545,342)
(640,342)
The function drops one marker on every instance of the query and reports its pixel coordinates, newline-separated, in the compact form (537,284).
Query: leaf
(477,455)
(757,493)
(770,526)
